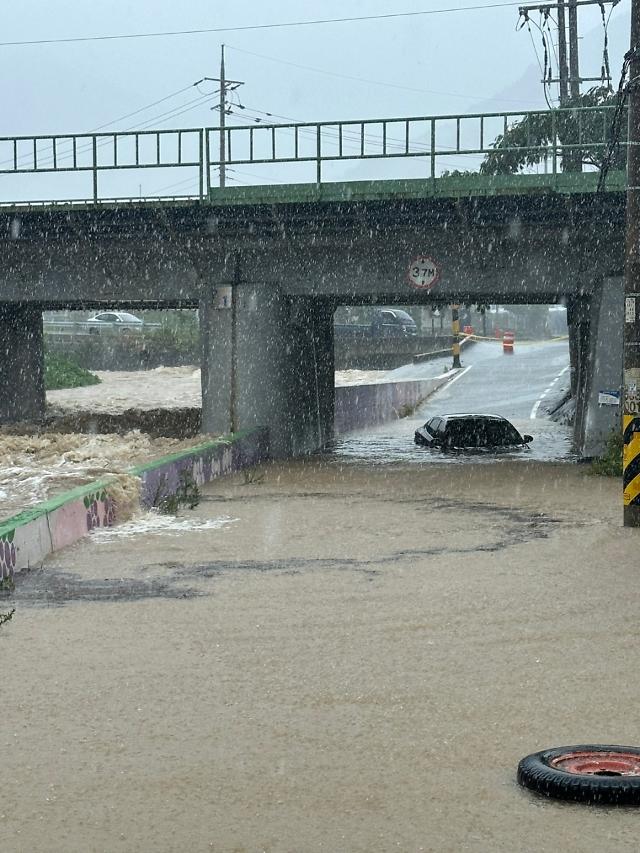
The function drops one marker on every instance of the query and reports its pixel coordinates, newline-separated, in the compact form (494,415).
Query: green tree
(533,137)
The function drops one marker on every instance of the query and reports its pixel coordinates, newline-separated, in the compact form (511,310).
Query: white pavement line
(455,378)
(536,406)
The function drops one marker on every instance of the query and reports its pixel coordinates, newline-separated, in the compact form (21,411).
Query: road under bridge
(268,265)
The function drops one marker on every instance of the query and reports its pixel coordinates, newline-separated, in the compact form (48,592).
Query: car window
(504,433)
(431,426)
(479,432)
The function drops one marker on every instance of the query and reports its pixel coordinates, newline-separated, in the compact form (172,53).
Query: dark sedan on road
(470,432)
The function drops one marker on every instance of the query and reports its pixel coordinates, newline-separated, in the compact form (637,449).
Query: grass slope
(61,372)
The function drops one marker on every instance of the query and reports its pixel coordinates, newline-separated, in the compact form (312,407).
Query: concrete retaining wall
(363,352)
(206,462)
(360,406)
(27,538)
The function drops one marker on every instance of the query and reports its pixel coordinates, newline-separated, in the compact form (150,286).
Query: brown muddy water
(349,659)
(37,467)
(130,418)
(164,387)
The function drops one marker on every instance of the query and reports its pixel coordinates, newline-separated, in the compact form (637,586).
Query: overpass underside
(267,276)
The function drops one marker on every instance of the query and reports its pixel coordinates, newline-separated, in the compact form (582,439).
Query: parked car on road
(470,432)
(116,320)
(392,322)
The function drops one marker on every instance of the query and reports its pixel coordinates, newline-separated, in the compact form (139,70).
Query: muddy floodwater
(339,657)
(163,387)
(37,467)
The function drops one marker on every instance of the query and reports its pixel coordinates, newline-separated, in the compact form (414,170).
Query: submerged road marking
(536,405)
(455,378)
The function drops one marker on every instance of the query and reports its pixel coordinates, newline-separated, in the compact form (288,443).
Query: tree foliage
(533,137)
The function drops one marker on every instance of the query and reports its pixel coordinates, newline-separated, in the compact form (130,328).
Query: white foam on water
(154,522)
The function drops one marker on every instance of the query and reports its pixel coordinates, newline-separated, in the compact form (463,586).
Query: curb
(27,538)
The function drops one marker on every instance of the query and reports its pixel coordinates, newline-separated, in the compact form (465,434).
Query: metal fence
(100,153)
(540,140)
(440,141)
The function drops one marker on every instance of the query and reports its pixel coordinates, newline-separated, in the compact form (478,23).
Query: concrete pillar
(602,370)
(574,333)
(282,374)
(215,341)
(580,337)
(22,395)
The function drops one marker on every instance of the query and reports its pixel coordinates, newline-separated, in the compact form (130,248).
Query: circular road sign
(423,272)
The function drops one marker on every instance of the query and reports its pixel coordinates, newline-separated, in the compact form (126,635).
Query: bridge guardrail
(517,142)
(97,153)
(566,131)
(83,327)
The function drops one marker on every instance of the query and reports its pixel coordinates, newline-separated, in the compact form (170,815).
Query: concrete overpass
(284,256)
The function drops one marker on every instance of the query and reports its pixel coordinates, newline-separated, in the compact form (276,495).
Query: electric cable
(616,122)
(142,109)
(365,80)
(247,27)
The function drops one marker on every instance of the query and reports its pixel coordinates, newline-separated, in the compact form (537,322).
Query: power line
(145,108)
(352,138)
(248,27)
(174,112)
(367,81)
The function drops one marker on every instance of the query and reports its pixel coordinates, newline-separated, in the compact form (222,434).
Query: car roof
(474,416)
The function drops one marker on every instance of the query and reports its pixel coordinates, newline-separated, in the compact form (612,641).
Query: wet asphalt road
(490,382)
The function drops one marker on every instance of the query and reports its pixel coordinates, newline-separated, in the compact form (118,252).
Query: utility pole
(225,87)
(631,380)
(223,117)
(562,55)
(574,64)
(569,85)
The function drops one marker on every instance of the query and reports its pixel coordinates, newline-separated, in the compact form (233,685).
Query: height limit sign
(423,273)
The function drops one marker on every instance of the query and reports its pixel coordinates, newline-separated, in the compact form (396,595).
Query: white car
(115,320)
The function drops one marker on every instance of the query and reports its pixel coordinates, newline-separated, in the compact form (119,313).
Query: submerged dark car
(470,432)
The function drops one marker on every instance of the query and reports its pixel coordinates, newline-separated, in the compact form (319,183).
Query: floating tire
(584,774)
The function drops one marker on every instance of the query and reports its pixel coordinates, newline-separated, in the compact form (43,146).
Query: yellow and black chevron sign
(631,460)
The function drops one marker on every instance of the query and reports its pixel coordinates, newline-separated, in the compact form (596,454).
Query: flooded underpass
(518,387)
(328,654)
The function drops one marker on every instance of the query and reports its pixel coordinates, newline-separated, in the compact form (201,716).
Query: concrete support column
(574,334)
(580,352)
(602,370)
(281,374)
(22,395)
(215,340)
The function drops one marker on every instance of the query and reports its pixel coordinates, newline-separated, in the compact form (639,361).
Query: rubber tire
(535,773)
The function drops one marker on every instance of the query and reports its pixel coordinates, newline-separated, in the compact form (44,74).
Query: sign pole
(631,386)
(455,330)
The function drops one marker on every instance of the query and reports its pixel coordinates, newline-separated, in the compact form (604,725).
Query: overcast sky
(436,63)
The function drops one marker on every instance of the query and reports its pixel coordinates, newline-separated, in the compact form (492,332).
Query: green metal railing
(436,139)
(97,153)
(439,142)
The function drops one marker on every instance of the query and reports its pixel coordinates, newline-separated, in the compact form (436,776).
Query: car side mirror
(527,438)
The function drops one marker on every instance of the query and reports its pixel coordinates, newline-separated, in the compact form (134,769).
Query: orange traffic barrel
(497,333)
(508,340)
(468,330)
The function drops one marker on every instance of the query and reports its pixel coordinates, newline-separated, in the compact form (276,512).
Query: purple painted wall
(163,477)
(360,406)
